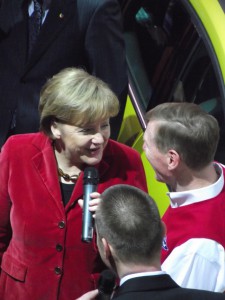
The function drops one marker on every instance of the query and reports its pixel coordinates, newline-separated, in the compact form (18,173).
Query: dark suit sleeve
(105,50)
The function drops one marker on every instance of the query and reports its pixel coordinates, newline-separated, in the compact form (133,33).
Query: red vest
(205,219)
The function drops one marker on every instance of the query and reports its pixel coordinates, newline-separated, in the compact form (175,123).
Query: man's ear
(55,130)
(163,228)
(106,249)
(110,258)
(173,159)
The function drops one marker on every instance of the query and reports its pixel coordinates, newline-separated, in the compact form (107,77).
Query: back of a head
(188,129)
(129,220)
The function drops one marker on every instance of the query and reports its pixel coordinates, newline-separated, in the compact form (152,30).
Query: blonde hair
(77,98)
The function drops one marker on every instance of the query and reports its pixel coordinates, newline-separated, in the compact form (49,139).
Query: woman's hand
(89,295)
(93,203)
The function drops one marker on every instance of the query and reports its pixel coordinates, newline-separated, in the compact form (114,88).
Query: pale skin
(89,295)
(169,167)
(93,203)
(76,146)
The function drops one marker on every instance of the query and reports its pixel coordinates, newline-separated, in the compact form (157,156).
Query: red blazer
(45,258)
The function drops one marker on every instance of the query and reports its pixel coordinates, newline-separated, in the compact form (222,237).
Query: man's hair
(129,220)
(77,98)
(189,130)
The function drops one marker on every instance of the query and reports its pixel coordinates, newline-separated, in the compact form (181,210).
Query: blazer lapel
(45,164)
(58,16)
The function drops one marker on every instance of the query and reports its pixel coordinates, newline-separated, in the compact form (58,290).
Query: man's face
(157,159)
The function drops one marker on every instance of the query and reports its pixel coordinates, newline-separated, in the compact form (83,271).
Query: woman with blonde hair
(41,174)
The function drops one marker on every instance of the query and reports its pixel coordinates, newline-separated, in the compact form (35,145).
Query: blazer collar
(45,164)
(147,283)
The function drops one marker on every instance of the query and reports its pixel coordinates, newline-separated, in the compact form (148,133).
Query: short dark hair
(129,220)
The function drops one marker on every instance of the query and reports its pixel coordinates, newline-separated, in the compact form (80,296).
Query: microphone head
(106,283)
(90,176)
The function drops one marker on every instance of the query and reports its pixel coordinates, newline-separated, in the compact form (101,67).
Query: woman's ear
(56,133)
(173,159)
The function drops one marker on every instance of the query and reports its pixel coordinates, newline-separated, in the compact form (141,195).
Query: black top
(66,191)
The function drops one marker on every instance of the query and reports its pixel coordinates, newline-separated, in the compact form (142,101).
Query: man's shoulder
(171,294)
(161,287)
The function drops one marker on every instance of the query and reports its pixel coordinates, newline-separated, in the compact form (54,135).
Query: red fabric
(30,200)
(205,219)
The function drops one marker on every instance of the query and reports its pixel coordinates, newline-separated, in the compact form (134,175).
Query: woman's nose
(98,138)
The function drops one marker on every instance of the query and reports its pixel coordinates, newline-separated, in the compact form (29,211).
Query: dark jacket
(76,33)
(160,287)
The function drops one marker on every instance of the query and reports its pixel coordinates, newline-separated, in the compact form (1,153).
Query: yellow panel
(213,19)
(130,127)
(131,134)
(157,190)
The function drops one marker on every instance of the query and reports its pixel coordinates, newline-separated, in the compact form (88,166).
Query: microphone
(90,182)
(106,284)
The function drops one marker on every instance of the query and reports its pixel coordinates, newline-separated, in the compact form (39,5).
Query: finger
(95,195)
(81,202)
(89,295)
(94,202)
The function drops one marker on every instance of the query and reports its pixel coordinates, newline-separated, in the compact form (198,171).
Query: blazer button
(59,247)
(61,224)
(58,271)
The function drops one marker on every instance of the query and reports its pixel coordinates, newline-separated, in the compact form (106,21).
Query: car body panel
(213,18)
(207,18)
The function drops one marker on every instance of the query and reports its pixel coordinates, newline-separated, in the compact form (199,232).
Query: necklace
(67,177)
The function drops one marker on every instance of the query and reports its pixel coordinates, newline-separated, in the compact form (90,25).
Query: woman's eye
(85,130)
(105,126)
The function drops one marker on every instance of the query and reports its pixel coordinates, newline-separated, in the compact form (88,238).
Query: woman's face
(82,145)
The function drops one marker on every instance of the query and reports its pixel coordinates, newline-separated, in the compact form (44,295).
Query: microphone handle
(87,226)
(102,296)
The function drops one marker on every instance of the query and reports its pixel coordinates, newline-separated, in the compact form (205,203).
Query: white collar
(178,199)
(142,274)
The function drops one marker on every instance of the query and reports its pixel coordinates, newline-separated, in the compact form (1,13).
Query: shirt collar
(178,199)
(142,274)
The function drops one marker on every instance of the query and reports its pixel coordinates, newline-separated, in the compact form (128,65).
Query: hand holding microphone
(90,182)
(106,285)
